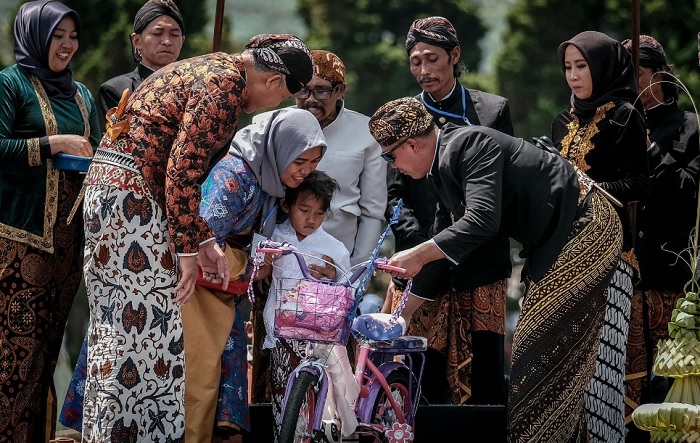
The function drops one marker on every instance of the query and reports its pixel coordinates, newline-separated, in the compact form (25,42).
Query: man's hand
(188,278)
(214,264)
(326,270)
(413,260)
(389,298)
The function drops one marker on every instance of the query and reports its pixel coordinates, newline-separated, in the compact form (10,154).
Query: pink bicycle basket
(312,310)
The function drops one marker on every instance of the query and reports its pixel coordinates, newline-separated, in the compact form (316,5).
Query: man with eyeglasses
(465,325)
(352,159)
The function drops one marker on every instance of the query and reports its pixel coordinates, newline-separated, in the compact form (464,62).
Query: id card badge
(257,238)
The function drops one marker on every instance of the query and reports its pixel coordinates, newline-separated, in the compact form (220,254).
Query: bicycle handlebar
(270,247)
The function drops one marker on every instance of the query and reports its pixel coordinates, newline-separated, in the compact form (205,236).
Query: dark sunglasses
(388,156)
(319,94)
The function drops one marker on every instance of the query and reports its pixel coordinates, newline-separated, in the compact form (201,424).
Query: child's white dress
(344,388)
(318,243)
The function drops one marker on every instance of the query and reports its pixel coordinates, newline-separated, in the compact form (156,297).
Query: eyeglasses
(388,156)
(319,94)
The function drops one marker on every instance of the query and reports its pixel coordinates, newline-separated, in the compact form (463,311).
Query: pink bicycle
(389,366)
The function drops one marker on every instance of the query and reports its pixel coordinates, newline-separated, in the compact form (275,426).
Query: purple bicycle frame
(316,368)
(377,383)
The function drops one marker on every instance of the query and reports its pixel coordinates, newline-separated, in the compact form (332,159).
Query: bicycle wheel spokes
(299,411)
(304,428)
(382,413)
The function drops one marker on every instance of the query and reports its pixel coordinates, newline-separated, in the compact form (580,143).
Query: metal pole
(635,38)
(218,25)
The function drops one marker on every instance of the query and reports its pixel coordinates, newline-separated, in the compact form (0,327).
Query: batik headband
(266,46)
(436,31)
(328,66)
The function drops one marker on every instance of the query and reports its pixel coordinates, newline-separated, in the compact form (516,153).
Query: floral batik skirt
(37,291)
(135,376)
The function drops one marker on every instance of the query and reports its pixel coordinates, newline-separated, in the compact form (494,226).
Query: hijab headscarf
(285,54)
(612,72)
(35,24)
(270,146)
(150,11)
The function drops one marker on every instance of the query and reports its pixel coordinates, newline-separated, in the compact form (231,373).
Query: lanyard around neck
(273,212)
(449,114)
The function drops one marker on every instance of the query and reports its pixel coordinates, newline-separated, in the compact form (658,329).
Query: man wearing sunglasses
(465,323)
(489,183)
(352,159)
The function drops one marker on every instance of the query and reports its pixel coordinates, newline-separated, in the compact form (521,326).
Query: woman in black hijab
(604,135)
(43,112)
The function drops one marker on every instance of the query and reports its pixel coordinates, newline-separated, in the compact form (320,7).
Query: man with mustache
(159,33)
(465,324)
(356,218)
(352,159)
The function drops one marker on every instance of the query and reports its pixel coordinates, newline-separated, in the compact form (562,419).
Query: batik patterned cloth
(232,412)
(605,394)
(448,323)
(135,376)
(38,291)
(556,341)
(657,307)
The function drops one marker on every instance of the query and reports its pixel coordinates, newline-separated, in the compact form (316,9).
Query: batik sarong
(651,312)
(556,341)
(450,323)
(37,289)
(135,377)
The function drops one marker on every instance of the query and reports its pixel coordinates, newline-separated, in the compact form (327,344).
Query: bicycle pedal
(331,431)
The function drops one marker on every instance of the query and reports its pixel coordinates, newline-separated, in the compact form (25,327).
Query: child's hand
(321,271)
(264,271)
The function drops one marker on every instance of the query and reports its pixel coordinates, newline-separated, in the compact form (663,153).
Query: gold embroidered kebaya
(577,143)
(44,241)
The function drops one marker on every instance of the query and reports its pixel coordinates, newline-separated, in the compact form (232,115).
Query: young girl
(306,206)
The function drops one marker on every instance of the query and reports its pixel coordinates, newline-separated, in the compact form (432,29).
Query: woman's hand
(70,144)
(326,270)
(214,264)
(188,278)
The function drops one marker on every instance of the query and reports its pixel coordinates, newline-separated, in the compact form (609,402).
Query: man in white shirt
(352,159)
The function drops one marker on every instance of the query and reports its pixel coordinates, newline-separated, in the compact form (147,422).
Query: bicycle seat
(377,326)
(405,343)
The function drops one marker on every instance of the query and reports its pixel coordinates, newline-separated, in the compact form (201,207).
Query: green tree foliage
(105,47)
(527,67)
(369,37)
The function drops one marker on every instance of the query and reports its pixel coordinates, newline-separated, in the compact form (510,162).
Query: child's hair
(319,184)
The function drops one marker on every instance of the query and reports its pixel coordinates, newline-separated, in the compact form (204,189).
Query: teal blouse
(28,181)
